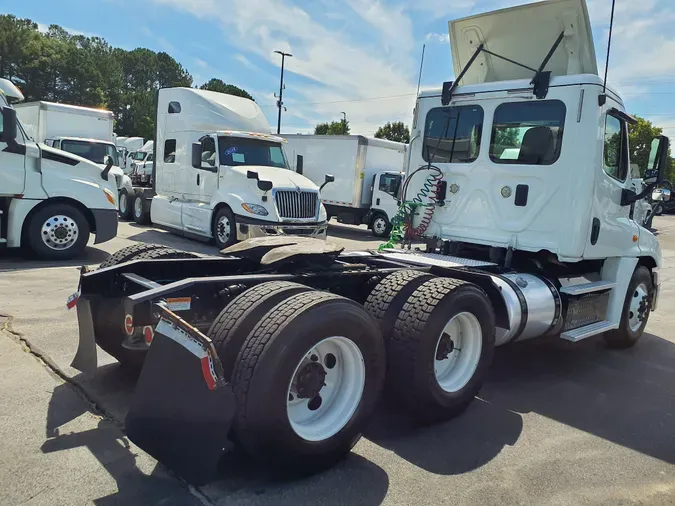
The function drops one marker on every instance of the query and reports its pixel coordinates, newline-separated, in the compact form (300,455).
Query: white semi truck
(50,200)
(285,345)
(82,131)
(368,174)
(219,175)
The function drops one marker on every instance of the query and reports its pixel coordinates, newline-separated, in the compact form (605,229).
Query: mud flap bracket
(182,409)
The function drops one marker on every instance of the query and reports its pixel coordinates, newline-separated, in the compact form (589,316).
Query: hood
(281,178)
(83,167)
(525,34)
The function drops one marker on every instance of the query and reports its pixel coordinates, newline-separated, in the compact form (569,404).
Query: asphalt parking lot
(557,423)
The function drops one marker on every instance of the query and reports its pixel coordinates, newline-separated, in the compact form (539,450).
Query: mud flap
(182,408)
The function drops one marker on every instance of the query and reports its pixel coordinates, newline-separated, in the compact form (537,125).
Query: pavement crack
(95,407)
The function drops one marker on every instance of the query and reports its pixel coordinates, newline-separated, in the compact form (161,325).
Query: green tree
(506,138)
(221,87)
(640,137)
(332,128)
(395,131)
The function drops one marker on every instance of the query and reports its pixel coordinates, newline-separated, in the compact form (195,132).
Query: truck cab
(50,200)
(219,175)
(385,196)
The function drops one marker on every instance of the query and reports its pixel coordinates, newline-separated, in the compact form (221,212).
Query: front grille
(297,205)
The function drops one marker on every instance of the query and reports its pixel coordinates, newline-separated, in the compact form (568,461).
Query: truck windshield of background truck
(235,151)
(453,134)
(138,156)
(92,151)
(527,133)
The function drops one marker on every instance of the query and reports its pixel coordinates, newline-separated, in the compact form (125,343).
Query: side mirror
(9,131)
(330,178)
(251,174)
(665,195)
(658,160)
(299,164)
(197,155)
(265,185)
(108,166)
(107,159)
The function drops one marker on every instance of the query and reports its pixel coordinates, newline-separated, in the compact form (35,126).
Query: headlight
(323,215)
(255,209)
(110,196)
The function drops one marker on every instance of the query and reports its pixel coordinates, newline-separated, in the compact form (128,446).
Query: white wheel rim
(338,398)
(123,203)
(138,207)
(59,232)
(380,225)
(638,309)
(223,229)
(458,352)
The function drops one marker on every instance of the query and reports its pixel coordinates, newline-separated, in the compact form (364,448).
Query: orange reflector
(148,334)
(635,238)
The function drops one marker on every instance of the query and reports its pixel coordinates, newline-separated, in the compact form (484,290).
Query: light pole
(344,123)
(280,102)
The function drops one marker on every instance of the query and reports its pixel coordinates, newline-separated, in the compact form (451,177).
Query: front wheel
(380,226)
(141,209)
(636,310)
(58,232)
(224,228)
(658,210)
(124,204)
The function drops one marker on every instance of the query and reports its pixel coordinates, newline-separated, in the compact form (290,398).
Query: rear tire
(141,209)
(276,382)
(57,232)
(441,349)
(108,330)
(124,207)
(636,310)
(389,296)
(234,323)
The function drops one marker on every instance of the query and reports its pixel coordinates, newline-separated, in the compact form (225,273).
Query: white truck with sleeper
(50,201)
(367,171)
(285,344)
(219,175)
(82,131)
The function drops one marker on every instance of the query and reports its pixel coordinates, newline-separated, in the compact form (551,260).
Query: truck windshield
(138,155)
(235,151)
(92,151)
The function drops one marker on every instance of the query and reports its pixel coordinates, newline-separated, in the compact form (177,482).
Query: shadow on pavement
(16,260)
(458,446)
(113,451)
(623,396)
(350,232)
(154,236)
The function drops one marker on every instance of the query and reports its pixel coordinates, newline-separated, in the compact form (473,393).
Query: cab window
(614,157)
(389,183)
(209,151)
(453,134)
(527,133)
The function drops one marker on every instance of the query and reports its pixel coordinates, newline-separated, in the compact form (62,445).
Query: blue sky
(348,52)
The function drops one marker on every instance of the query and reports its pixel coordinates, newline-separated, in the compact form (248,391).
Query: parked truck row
(284,344)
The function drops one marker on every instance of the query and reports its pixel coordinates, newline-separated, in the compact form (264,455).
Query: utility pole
(280,102)
(344,123)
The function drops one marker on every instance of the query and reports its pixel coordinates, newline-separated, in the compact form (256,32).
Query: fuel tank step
(596,286)
(593,329)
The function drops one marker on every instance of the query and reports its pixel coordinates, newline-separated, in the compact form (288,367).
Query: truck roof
(73,109)
(238,133)
(363,139)
(524,85)
(82,139)
(9,89)
(525,34)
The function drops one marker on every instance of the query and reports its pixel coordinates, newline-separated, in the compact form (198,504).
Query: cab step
(584,288)
(593,329)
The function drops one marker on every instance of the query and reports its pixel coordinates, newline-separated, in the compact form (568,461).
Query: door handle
(197,179)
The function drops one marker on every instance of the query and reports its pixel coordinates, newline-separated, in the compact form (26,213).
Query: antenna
(602,99)
(419,80)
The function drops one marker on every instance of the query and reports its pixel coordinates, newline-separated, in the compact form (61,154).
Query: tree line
(57,66)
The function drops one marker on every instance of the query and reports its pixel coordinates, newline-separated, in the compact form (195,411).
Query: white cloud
(441,38)
(44,28)
(247,63)
(201,63)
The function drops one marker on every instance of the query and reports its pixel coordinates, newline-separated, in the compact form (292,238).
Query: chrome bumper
(249,231)
(657,289)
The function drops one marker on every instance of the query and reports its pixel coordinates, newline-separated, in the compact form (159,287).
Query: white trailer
(218,174)
(367,171)
(50,200)
(82,131)
(285,346)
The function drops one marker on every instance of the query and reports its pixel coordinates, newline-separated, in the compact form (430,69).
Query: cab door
(12,164)
(385,190)
(613,231)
